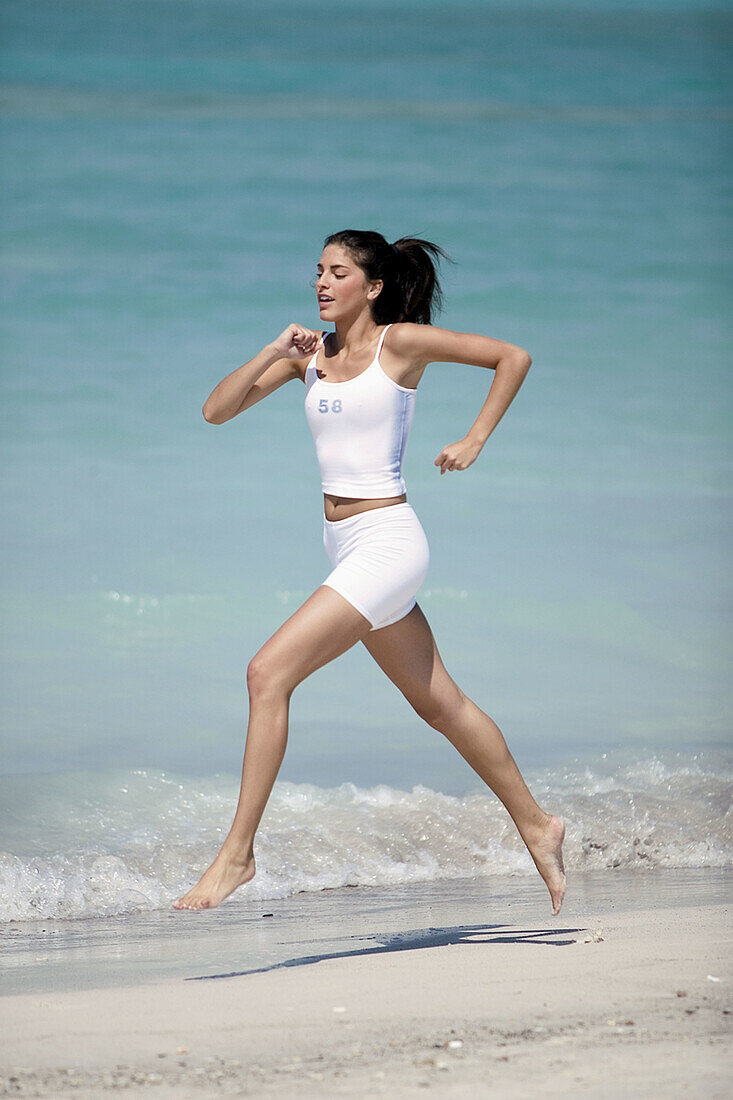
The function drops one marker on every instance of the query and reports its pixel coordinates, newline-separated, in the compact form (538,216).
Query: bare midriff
(337,508)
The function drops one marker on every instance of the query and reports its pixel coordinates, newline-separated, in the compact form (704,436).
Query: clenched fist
(295,342)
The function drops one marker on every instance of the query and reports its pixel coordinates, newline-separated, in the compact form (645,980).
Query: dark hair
(407,269)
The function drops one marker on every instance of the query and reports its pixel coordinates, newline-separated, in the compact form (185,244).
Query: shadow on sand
(417,939)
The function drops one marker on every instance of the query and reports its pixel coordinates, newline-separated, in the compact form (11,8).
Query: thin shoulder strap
(381,339)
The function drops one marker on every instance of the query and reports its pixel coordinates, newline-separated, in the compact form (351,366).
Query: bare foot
(546,851)
(221,879)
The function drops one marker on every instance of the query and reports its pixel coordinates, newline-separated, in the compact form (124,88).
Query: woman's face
(341,286)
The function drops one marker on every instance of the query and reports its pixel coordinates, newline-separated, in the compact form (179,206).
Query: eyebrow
(334,266)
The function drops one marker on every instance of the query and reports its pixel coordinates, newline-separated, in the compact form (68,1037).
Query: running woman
(360,381)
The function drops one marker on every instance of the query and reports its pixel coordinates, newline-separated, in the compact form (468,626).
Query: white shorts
(381,557)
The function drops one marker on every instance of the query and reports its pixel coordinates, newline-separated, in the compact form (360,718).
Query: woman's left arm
(423,344)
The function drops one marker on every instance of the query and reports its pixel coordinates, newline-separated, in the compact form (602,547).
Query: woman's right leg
(322,629)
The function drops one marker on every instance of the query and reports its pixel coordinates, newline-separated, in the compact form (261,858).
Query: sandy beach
(630,993)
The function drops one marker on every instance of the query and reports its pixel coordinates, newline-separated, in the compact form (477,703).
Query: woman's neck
(357,334)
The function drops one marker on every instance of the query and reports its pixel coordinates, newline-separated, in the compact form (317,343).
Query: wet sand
(636,990)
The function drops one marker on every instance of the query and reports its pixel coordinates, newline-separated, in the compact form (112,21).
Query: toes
(184,903)
(558,898)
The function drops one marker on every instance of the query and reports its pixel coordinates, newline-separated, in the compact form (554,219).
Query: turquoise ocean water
(170,168)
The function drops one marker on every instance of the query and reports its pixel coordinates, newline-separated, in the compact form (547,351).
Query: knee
(429,713)
(262,678)
(439,711)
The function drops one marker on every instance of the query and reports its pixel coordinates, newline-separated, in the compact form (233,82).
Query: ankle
(537,827)
(237,852)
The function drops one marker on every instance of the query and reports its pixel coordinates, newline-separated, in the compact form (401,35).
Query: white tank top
(360,428)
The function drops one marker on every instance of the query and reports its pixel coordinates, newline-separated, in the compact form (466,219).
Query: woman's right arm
(275,365)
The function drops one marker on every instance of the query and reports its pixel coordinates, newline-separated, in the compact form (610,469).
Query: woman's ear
(375,290)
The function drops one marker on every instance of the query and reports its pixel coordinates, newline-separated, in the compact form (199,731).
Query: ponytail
(408,271)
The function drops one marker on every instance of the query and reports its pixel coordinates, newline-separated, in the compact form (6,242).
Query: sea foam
(102,844)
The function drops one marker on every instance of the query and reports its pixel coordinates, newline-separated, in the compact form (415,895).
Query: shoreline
(616,987)
(247,934)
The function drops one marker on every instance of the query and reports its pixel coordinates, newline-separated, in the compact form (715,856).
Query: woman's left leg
(407,652)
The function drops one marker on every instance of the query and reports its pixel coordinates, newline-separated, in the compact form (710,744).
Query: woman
(360,389)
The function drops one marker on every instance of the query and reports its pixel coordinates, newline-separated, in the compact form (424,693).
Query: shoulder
(401,335)
(419,343)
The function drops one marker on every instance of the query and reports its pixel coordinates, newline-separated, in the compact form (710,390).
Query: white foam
(118,842)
